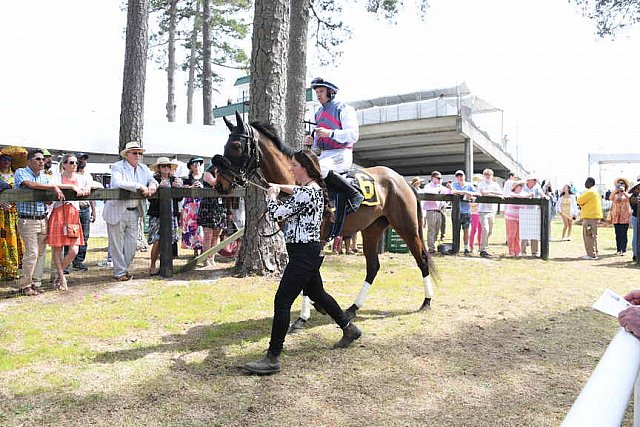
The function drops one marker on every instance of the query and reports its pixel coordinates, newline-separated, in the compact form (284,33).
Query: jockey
(335,135)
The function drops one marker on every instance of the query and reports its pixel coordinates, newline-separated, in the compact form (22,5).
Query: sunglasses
(165,166)
(136,153)
(38,159)
(70,162)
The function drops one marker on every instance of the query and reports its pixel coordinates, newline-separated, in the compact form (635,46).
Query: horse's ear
(239,121)
(228,123)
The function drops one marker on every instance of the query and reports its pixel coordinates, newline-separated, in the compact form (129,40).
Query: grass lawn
(509,342)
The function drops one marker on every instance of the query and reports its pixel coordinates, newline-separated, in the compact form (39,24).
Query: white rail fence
(604,399)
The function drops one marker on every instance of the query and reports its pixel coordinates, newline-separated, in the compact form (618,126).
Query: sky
(564,92)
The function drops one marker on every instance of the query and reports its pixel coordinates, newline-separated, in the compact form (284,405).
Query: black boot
(350,333)
(341,185)
(269,364)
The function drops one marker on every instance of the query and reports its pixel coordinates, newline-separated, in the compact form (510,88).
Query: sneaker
(80,267)
(485,254)
(589,257)
(466,252)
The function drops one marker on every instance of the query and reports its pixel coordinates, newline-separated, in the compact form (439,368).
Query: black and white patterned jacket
(302,213)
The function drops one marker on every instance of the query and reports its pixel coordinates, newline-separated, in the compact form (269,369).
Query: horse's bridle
(249,169)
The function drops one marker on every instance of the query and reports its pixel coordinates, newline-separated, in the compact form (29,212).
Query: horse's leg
(305,313)
(409,233)
(370,238)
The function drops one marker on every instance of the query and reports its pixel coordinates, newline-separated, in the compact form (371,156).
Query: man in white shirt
(122,216)
(487,211)
(433,209)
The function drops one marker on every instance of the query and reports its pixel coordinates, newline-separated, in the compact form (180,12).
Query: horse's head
(240,144)
(237,162)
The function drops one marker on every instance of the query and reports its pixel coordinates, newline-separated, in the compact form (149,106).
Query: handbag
(69,230)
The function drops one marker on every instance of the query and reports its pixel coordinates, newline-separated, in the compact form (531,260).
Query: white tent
(98,136)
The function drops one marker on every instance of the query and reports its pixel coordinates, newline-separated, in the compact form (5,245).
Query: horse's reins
(250,169)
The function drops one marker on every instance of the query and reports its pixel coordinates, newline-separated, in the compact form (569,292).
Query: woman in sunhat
(620,214)
(162,170)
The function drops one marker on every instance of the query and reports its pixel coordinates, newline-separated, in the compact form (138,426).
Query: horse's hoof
(297,326)
(426,305)
(319,308)
(351,312)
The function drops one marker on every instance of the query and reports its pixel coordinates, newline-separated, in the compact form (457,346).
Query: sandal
(124,278)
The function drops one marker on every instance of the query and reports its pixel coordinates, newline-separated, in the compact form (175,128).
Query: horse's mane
(270,132)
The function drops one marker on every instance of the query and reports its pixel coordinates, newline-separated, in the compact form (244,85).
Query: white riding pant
(338,161)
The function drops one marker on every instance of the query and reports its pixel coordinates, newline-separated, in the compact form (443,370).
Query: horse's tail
(425,253)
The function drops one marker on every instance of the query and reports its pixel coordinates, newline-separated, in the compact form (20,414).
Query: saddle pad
(367,185)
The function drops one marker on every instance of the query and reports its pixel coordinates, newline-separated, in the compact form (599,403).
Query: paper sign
(611,303)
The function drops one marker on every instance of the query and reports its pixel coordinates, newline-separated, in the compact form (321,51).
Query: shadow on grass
(215,337)
(501,372)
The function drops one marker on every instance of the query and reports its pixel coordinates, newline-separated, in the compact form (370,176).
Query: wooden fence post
(544,229)
(165,203)
(455,223)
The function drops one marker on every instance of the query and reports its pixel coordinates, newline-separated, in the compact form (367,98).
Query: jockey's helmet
(319,81)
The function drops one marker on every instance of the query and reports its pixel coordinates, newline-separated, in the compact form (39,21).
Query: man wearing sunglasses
(122,216)
(32,221)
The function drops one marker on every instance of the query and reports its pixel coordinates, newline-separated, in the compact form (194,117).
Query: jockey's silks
(328,117)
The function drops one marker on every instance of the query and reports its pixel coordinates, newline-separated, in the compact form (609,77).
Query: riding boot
(341,185)
(350,333)
(270,364)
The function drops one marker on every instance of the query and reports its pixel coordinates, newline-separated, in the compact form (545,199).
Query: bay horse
(255,152)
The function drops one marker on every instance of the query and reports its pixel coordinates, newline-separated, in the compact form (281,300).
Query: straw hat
(519,182)
(133,145)
(18,156)
(416,181)
(162,161)
(625,180)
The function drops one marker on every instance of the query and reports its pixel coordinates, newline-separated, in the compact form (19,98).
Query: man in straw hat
(122,216)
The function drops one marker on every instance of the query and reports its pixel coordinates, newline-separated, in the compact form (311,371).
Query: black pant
(302,272)
(621,236)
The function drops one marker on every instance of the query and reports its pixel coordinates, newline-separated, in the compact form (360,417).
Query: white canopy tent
(98,136)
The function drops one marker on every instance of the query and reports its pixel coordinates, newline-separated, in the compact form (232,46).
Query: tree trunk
(134,75)
(171,66)
(207,79)
(262,254)
(192,64)
(296,73)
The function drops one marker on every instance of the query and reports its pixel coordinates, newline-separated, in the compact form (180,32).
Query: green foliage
(228,28)
(610,16)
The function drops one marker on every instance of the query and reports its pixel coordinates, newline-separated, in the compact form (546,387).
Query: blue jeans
(85,221)
(634,241)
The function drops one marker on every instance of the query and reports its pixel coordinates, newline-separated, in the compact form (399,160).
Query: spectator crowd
(617,207)
(28,227)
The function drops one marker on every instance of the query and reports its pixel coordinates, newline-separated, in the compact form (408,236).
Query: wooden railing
(455,200)
(164,196)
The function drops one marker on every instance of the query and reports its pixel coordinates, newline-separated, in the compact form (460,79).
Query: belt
(131,209)
(36,217)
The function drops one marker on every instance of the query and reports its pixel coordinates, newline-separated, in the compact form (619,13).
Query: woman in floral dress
(10,242)
(192,234)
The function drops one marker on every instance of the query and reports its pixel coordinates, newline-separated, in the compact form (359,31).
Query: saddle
(366,184)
